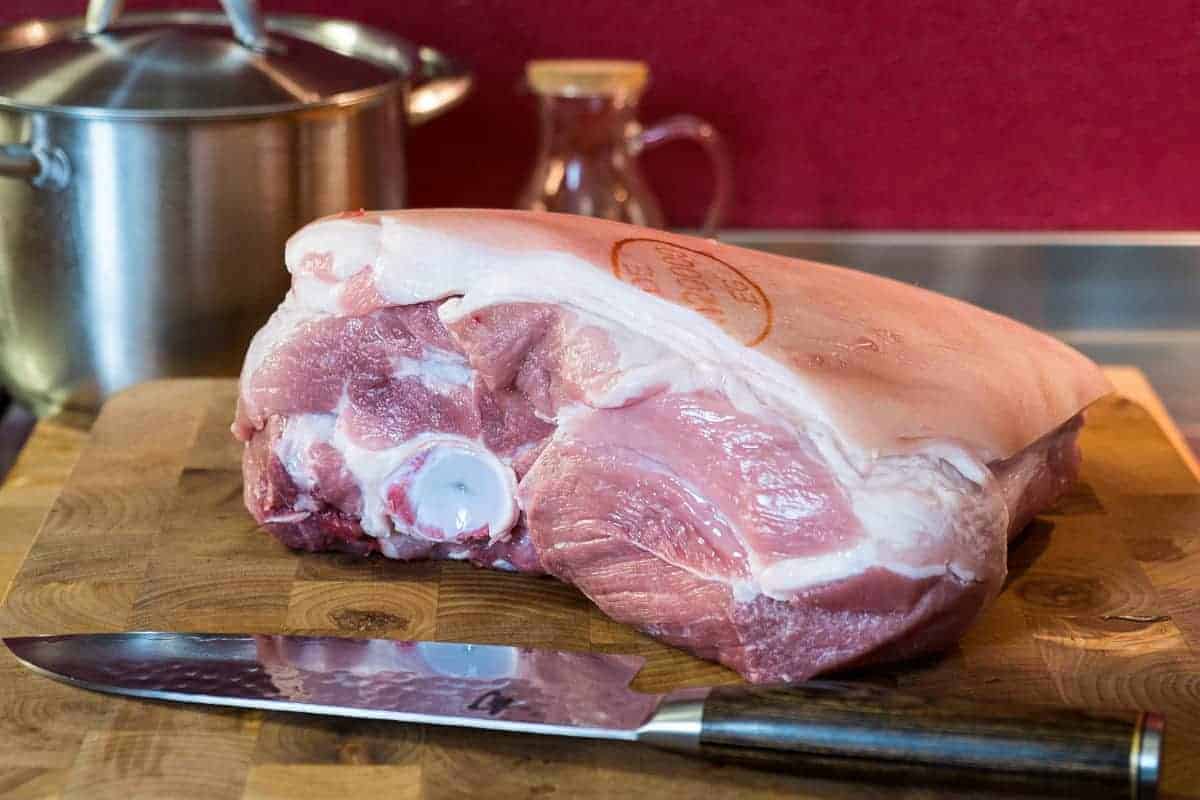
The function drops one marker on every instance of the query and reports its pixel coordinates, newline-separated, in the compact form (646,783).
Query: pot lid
(172,64)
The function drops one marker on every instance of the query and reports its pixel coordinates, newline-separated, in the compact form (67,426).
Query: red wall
(921,114)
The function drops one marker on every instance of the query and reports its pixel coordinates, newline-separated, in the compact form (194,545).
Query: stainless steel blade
(481,686)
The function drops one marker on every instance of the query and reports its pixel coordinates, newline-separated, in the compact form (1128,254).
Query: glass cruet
(590,140)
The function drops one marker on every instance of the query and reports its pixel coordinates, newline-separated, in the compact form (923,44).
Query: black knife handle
(864,733)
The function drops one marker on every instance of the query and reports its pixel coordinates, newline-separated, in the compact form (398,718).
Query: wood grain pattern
(384,611)
(287,782)
(1132,384)
(1102,608)
(286,739)
(120,765)
(25,783)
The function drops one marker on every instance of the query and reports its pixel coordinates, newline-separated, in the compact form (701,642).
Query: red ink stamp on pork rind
(702,282)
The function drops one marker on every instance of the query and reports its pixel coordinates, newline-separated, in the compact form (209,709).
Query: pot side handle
(440,83)
(18,161)
(43,167)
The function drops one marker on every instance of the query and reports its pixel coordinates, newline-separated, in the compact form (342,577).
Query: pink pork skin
(855,509)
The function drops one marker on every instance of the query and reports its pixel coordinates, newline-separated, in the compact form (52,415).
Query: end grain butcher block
(1101,609)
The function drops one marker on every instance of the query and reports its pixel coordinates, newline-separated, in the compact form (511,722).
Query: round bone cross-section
(452,490)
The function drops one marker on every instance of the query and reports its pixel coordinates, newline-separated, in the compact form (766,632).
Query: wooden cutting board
(1102,609)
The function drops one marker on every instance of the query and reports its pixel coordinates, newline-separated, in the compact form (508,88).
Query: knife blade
(821,728)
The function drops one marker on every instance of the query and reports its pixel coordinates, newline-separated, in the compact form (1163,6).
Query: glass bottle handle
(685,126)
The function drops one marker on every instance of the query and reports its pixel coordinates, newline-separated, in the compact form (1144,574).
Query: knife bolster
(677,722)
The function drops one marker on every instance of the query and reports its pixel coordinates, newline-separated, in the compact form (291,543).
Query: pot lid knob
(244,18)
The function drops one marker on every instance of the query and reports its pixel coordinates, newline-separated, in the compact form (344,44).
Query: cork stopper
(586,77)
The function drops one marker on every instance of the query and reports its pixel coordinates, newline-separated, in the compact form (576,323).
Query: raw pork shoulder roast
(780,465)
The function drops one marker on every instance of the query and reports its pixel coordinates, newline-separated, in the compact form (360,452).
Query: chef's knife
(819,728)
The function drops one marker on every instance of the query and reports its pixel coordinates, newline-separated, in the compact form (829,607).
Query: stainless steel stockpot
(153,165)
